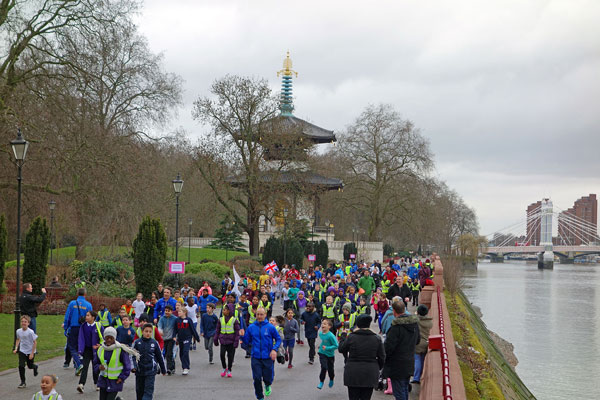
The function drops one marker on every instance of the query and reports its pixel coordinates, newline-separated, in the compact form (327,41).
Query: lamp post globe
(19,148)
(177,187)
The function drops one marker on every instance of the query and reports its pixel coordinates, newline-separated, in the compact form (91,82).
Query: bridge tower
(546,257)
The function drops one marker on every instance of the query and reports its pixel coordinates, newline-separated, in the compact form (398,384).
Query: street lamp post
(285,214)
(52,205)
(19,147)
(227,226)
(327,232)
(190,242)
(312,237)
(177,186)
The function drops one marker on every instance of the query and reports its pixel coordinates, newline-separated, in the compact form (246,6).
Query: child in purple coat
(227,335)
(90,338)
(111,377)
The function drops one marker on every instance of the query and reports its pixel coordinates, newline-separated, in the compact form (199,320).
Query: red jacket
(390,276)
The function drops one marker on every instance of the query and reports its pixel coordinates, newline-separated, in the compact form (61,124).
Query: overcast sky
(507,91)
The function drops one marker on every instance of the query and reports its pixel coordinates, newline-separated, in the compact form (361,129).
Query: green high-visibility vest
(113,369)
(328,311)
(119,322)
(227,327)
(350,320)
(100,337)
(385,286)
(252,316)
(348,269)
(103,318)
(38,396)
(415,286)
(361,310)
(267,307)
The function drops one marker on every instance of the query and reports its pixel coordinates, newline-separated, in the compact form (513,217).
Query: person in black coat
(400,342)
(29,303)
(395,289)
(365,353)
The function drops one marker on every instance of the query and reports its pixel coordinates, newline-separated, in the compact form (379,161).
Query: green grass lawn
(51,340)
(65,255)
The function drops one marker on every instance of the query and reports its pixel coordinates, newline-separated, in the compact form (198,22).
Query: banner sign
(352,256)
(312,257)
(176,267)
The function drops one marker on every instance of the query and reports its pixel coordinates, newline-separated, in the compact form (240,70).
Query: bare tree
(379,150)
(240,114)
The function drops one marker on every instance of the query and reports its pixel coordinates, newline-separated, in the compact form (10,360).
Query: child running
(146,367)
(209,324)
(227,334)
(184,332)
(25,346)
(166,327)
(327,353)
(113,364)
(90,338)
(289,332)
(48,387)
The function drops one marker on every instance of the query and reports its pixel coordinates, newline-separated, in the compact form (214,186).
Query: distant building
(534,220)
(579,224)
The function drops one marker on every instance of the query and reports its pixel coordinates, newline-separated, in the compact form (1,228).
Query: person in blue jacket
(265,341)
(74,317)
(159,308)
(203,302)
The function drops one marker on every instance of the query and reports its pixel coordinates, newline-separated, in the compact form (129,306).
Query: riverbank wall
(485,369)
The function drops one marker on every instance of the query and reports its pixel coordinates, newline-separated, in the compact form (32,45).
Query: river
(552,317)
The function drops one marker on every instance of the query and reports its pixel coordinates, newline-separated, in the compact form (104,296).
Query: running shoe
(267,391)
(80,388)
(23,385)
(229,374)
(224,373)
(320,385)
(331,383)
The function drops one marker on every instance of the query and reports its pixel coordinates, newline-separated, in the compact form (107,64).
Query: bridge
(575,237)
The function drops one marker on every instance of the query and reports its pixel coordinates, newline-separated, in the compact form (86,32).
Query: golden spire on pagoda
(287,67)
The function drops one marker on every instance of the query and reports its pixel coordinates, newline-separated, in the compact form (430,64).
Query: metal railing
(446,387)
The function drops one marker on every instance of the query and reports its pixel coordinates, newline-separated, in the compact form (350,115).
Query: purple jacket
(111,385)
(88,337)
(229,338)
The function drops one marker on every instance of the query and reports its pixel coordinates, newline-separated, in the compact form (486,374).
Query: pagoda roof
(315,133)
(284,178)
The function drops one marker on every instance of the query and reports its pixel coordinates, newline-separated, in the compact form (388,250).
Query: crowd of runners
(358,310)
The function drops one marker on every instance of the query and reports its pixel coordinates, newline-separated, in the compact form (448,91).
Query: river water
(552,317)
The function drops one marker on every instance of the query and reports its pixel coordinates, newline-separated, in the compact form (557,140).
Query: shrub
(3,251)
(96,271)
(248,267)
(111,289)
(218,269)
(273,251)
(349,248)
(149,255)
(322,253)
(388,250)
(241,257)
(37,245)
(194,280)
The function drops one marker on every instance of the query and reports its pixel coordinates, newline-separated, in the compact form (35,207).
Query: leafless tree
(380,149)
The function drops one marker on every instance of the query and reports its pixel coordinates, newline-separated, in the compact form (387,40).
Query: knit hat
(364,321)
(422,310)
(347,306)
(110,331)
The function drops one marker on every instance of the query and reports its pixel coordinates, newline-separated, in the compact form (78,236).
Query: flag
(271,267)
(236,281)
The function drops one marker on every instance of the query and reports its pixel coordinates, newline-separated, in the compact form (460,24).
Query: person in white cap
(112,362)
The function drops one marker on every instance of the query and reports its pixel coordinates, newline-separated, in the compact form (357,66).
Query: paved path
(203,382)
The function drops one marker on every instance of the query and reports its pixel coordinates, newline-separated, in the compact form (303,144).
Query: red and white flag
(271,267)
